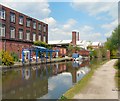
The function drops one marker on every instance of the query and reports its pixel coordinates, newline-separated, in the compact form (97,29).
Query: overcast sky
(94,20)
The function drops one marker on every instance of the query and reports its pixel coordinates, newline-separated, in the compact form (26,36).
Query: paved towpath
(101,85)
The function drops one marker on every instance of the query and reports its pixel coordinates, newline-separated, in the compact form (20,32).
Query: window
(44,39)
(28,35)
(34,37)
(2,14)
(12,17)
(39,37)
(34,25)
(2,30)
(39,27)
(12,32)
(44,28)
(21,20)
(20,34)
(28,23)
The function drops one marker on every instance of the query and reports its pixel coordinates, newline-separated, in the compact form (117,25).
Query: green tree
(113,42)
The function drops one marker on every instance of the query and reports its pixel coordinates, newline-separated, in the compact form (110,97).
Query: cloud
(96,1)
(70,24)
(58,31)
(34,9)
(51,21)
(88,33)
(111,25)
(96,8)
(64,32)
(108,34)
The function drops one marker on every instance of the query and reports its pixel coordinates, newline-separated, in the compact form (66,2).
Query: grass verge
(82,83)
(117,75)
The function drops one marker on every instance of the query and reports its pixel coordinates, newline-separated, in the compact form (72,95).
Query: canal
(45,81)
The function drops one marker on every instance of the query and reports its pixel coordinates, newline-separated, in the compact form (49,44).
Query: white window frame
(34,37)
(40,27)
(20,34)
(21,20)
(12,32)
(28,36)
(44,38)
(2,30)
(34,25)
(12,17)
(44,28)
(2,14)
(28,23)
(39,37)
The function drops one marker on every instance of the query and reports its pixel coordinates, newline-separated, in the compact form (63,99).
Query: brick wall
(84,52)
(74,38)
(12,46)
(17,26)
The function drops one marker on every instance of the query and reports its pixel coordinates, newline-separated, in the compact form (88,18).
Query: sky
(94,20)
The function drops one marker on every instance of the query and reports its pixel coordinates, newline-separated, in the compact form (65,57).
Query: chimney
(78,36)
(73,38)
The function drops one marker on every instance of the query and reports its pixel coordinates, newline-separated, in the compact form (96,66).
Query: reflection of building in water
(32,83)
(58,68)
(74,78)
(19,88)
(26,73)
(74,70)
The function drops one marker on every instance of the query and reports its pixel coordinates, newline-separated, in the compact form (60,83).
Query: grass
(117,75)
(82,83)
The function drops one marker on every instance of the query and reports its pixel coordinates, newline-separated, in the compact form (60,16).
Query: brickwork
(15,44)
(74,38)
(84,52)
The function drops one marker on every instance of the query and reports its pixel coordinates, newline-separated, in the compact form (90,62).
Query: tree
(113,42)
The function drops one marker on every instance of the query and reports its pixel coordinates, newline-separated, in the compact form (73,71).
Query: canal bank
(19,64)
(83,82)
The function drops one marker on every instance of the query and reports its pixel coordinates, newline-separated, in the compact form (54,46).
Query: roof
(96,43)
(39,48)
(81,42)
(59,42)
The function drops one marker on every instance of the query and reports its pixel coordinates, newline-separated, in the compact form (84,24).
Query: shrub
(97,53)
(15,56)
(6,58)
(0,61)
(43,44)
(103,52)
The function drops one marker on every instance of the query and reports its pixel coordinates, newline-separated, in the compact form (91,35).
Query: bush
(0,61)
(103,52)
(15,56)
(6,58)
(43,44)
(97,53)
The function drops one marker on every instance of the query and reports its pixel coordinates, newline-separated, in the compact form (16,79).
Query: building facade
(18,31)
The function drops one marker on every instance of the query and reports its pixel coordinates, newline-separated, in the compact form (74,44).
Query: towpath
(102,84)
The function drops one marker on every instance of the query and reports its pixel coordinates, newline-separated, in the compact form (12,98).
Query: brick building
(18,31)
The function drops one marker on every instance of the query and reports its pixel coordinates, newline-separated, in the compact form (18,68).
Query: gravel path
(101,85)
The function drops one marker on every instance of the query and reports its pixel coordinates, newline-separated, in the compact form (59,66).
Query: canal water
(45,81)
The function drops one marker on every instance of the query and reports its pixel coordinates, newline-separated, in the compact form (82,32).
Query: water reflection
(48,81)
